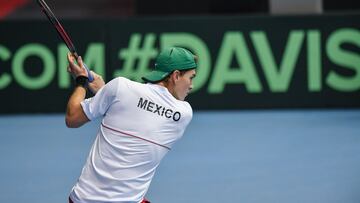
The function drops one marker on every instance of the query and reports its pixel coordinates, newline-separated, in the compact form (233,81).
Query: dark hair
(182,72)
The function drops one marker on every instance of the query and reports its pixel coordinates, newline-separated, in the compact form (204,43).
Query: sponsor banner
(244,62)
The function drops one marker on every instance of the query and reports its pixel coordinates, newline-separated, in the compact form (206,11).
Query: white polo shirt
(141,123)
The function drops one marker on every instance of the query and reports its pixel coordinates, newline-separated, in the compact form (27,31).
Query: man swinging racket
(140,124)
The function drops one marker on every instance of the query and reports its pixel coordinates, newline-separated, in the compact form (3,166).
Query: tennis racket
(62,33)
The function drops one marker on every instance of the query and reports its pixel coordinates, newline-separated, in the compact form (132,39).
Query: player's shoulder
(124,85)
(122,81)
(186,107)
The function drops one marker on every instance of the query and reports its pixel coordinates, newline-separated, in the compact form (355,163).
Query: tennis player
(140,124)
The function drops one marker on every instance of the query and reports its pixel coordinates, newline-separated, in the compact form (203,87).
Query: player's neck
(169,87)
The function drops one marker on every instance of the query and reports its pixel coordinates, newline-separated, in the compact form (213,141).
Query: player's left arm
(75,115)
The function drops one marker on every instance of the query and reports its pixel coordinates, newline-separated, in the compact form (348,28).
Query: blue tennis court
(239,156)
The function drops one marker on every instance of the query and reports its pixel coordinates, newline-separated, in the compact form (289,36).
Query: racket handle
(91,78)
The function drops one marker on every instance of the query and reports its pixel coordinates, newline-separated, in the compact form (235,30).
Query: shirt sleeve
(189,113)
(97,105)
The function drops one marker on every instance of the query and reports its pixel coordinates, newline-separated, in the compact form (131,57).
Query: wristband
(81,81)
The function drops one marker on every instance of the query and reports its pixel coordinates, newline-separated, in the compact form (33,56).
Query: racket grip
(91,78)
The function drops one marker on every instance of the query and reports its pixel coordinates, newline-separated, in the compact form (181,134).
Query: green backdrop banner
(244,62)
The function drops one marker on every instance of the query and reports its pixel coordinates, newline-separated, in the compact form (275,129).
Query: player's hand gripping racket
(62,33)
